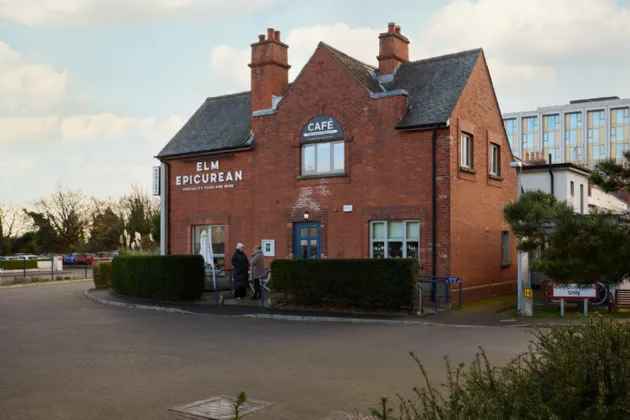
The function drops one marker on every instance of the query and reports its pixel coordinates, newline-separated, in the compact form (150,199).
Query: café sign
(208,176)
(321,127)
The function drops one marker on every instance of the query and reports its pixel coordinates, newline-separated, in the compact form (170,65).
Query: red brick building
(403,159)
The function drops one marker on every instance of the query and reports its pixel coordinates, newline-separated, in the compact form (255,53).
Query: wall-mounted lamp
(305,214)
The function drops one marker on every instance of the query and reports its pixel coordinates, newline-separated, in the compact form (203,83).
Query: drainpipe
(551,174)
(434,202)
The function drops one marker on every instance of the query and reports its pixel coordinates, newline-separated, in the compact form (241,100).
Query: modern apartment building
(582,132)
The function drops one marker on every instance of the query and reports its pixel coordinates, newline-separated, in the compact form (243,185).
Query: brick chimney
(393,49)
(270,69)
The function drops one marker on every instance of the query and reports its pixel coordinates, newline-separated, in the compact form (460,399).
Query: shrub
(18,264)
(570,373)
(362,283)
(102,272)
(168,277)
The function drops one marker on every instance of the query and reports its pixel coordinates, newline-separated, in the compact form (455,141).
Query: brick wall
(477,199)
(388,177)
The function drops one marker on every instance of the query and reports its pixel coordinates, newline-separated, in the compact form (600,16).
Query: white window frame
(205,227)
(386,240)
(495,161)
(332,158)
(466,160)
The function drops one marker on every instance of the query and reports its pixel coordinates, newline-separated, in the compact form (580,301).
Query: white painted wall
(541,180)
(603,201)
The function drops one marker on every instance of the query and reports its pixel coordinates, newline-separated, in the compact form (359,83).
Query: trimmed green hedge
(18,264)
(102,272)
(360,283)
(159,277)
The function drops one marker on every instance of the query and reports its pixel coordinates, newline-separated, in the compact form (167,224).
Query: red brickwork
(388,177)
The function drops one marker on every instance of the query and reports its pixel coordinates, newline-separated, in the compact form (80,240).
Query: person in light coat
(258,269)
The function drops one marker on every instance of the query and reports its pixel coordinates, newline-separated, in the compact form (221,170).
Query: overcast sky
(91,90)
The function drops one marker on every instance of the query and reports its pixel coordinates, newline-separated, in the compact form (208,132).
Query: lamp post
(306,215)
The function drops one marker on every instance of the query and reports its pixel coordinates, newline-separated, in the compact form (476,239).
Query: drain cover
(219,408)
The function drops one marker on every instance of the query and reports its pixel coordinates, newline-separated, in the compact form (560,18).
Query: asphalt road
(65,357)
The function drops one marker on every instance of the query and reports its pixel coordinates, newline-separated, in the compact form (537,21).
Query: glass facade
(596,136)
(551,137)
(529,135)
(512,131)
(573,137)
(619,131)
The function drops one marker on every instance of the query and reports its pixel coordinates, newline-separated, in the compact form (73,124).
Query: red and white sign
(574,291)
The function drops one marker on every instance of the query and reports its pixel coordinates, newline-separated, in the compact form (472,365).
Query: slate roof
(222,122)
(364,73)
(433,85)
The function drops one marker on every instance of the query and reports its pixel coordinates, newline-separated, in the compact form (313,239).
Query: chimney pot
(269,70)
(391,26)
(393,49)
(277,35)
(397,29)
(261,37)
(269,34)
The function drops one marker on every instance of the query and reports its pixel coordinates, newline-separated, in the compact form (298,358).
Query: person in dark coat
(258,269)
(241,268)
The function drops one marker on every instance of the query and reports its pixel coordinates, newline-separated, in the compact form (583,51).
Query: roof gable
(220,123)
(363,73)
(434,86)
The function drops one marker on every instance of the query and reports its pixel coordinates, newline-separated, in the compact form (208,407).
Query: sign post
(574,291)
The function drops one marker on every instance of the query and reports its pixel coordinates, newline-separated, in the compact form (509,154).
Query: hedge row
(360,283)
(159,277)
(18,264)
(102,272)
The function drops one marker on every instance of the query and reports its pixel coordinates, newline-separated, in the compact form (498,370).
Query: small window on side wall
(495,159)
(505,247)
(466,151)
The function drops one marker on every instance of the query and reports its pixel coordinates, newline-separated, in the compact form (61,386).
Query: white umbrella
(205,250)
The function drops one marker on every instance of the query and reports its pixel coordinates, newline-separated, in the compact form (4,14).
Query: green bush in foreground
(18,264)
(159,277)
(361,283)
(102,272)
(570,373)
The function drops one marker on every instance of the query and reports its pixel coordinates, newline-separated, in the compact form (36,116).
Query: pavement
(63,356)
(486,313)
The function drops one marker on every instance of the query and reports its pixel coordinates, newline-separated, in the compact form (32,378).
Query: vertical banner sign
(156,180)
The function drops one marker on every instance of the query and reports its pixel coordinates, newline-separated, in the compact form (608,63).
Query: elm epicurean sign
(208,177)
(321,127)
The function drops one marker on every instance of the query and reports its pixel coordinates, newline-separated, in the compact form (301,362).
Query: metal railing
(437,290)
(29,271)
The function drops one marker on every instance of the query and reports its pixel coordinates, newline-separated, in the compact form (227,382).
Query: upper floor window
(323,158)
(511,130)
(619,131)
(596,136)
(572,185)
(466,151)
(573,137)
(529,136)
(495,159)
(551,137)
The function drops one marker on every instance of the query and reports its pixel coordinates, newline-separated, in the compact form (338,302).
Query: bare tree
(11,226)
(67,211)
(137,210)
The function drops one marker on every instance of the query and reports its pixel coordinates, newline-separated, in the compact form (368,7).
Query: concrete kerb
(136,305)
(280,317)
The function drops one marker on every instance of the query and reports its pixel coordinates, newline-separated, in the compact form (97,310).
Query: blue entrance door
(307,243)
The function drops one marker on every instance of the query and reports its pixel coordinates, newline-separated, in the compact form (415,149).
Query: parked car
(102,256)
(26,257)
(70,258)
(84,259)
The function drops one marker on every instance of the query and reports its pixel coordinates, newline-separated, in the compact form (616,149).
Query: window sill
(467,169)
(506,264)
(316,176)
(495,177)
